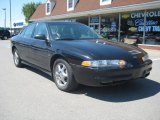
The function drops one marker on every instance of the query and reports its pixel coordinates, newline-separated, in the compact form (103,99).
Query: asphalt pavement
(29,94)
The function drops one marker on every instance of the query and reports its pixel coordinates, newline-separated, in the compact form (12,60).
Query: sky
(17,14)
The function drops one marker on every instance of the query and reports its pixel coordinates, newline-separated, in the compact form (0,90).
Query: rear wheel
(63,76)
(5,38)
(16,58)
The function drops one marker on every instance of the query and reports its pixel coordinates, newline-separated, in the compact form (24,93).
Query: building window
(48,7)
(70,5)
(105,2)
(131,25)
(152,27)
(109,26)
(134,26)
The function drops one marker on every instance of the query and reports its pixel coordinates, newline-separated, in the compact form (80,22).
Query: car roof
(57,22)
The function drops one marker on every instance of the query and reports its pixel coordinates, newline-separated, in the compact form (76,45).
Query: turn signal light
(122,63)
(86,63)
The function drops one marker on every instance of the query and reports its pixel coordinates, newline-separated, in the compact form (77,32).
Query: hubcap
(61,74)
(16,58)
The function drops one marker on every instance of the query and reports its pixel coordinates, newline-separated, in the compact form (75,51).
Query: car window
(72,31)
(29,31)
(41,29)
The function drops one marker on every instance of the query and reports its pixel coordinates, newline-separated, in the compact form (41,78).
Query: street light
(5,17)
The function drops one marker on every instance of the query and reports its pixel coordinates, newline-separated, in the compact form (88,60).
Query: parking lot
(28,94)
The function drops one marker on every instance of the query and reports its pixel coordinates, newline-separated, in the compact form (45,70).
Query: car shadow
(133,90)
(130,91)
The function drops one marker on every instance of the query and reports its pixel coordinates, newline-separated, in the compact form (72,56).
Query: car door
(24,43)
(41,47)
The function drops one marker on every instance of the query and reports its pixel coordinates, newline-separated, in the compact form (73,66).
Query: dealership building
(115,20)
(18,25)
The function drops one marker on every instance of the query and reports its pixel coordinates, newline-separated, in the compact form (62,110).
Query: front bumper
(102,76)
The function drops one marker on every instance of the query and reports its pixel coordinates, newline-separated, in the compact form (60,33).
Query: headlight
(104,63)
(146,57)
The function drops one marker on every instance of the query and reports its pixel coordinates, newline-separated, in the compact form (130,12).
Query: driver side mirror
(40,37)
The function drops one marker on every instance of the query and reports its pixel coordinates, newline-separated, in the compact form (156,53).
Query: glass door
(95,27)
(94,23)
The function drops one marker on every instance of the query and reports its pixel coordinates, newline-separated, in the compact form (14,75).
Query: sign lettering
(148,14)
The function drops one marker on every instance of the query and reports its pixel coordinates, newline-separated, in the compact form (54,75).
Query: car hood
(103,49)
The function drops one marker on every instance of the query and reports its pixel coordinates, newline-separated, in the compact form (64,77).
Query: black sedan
(75,54)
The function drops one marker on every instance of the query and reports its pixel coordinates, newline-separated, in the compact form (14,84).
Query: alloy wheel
(61,74)
(16,57)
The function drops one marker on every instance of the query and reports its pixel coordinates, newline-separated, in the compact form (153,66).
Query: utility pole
(10,17)
(4,17)
(144,31)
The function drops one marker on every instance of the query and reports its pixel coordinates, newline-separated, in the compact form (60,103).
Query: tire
(5,37)
(16,58)
(63,76)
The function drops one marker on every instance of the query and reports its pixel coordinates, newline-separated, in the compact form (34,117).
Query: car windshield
(72,31)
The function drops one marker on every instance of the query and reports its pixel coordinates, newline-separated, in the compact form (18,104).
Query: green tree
(28,9)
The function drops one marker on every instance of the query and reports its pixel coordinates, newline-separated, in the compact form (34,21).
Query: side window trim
(23,32)
(49,31)
(33,30)
(33,34)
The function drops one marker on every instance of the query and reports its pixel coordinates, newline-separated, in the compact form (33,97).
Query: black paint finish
(42,53)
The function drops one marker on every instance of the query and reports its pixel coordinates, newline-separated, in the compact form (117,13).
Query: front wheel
(63,76)
(16,58)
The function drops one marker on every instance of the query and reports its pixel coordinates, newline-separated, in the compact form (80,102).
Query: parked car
(74,54)
(4,34)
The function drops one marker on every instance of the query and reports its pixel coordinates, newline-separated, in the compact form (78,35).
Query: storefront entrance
(94,23)
(95,27)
